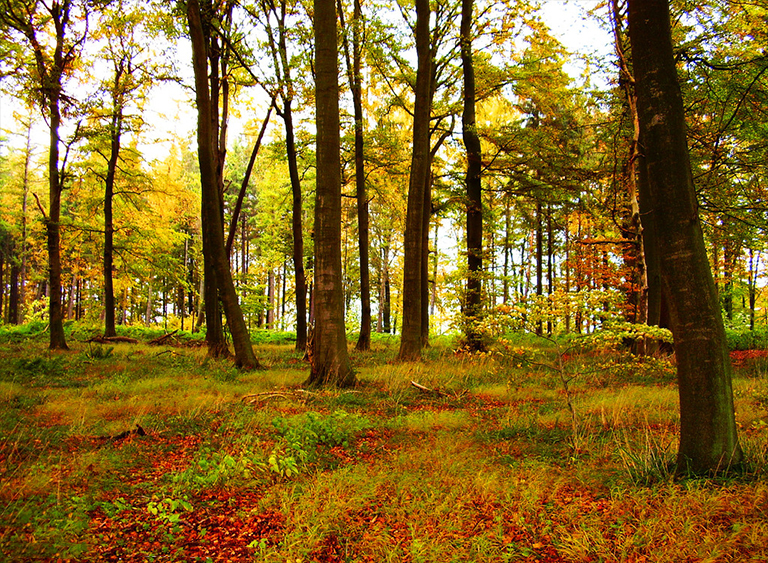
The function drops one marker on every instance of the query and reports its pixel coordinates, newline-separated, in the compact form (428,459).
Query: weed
(98,352)
(650,462)
(169,510)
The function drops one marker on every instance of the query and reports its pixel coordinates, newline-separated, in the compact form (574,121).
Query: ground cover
(138,453)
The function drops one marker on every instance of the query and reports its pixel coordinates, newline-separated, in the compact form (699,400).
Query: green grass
(249,466)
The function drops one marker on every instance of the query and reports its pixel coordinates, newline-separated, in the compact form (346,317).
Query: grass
(492,469)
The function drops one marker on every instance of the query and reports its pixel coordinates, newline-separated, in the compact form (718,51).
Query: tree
(53,62)
(283,93)
(473,298)
(354,74)
(212,214)
(708,436)
(126,86)
(330,363)
(411,339)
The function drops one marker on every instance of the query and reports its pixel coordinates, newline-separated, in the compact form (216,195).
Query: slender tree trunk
(708,435)
(411,339)
(330,363)
(300,279)
(386,302)
(115,133)
(58,340)
(473,298)
(426,219)
(213,228)
(355,83)
(13,293)
(24,198)
(271,299)
(433,295)
(539,262)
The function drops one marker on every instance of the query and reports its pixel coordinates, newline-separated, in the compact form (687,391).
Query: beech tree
(329,357)
(45,74)
(708,436)
(276,19)
(413,270)
(214,248)
(355,77)
(473,298)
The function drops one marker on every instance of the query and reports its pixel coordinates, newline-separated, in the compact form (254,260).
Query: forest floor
(142,453)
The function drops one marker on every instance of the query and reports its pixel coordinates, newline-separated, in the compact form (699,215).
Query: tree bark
(539,261)
(473,297)
(355,77)
(300,279)
(708,436)
(213,228)
(115,133)
(330,363)
(411,338)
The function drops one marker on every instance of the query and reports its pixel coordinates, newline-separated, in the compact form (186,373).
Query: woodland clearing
(486,462)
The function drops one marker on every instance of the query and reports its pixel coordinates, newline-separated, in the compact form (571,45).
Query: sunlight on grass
(486,467)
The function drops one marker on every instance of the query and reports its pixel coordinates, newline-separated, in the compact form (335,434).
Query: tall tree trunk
(213,228)
(13,293)
(426,219)
(708,435)
(355,77)
(411,339)
(473,298)
(115,133)
(24,198)
(58,340)
(539,261)
(330,363)
(300,279)
(386,301)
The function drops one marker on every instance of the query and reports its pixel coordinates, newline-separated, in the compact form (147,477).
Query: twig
(263,396)
(427,390)
(161,339)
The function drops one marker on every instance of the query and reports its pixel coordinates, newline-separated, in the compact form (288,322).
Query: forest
(383,280)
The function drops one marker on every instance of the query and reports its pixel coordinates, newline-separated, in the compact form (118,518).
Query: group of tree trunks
(666,218)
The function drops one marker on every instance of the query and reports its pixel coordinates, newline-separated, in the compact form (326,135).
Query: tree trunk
(300,279)
(109,189)
(473,298)
(330,363)
(58,340)
(411,339)
(539,262)
(426,219)
(386,302)
(708,436)
(213,228)
(355,84)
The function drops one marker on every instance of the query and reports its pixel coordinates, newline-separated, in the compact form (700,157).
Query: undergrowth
(482,463)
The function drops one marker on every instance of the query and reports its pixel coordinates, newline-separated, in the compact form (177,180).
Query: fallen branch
(160,340)
(112,339)
(265,395)
(427,390)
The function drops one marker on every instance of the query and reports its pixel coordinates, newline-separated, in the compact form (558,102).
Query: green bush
(745,339)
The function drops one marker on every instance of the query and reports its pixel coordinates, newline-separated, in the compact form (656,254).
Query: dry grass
(491,470)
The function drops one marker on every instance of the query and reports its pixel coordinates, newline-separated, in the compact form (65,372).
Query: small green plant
(98,352)
(314,429)
(169,510)
(284,464)
(652,462)
(209,469)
